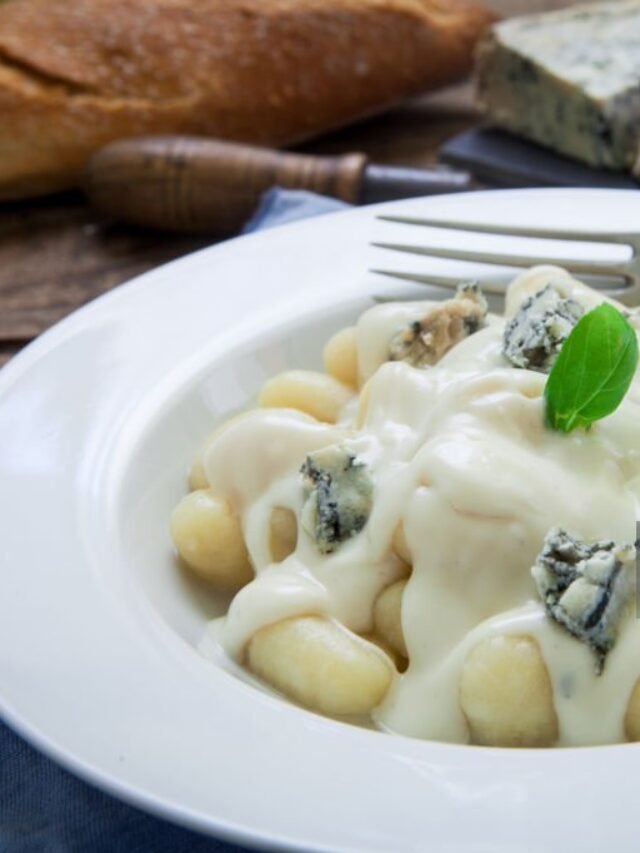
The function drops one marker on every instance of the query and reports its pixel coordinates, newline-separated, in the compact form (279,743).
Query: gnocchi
(208,536)
(632,714)
(387,618)
(283,533)
(402,536)
(320,664)
(340,357)
(506,694)
(315,394)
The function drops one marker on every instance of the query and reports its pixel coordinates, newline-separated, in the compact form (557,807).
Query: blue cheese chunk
(423,342)
(339,494)
(533,337)
(569,80)
(584,587)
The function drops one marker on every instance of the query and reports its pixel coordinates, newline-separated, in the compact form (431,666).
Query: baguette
(75,76)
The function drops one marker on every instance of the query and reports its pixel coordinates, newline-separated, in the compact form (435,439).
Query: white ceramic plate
(98,421)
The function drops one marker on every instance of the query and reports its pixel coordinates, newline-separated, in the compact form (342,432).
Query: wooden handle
(182,183)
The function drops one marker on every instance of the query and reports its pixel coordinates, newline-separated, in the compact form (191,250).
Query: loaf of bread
(76,75)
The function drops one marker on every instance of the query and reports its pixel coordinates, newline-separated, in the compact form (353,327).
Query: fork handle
(182,183)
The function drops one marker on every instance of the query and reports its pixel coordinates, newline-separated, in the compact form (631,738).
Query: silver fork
(627,273)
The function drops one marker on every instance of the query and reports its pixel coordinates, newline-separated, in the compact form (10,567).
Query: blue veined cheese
(339,496)
(423,342)
(534,336)
(569,80)
(584,587)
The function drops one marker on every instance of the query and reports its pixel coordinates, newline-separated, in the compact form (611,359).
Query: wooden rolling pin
(181,183)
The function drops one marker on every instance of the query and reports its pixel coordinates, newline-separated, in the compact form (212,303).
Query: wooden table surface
(55,255)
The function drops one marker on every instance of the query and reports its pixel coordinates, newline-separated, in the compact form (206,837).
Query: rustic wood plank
(55,256)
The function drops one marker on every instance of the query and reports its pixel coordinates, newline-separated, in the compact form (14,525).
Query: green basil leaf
(593,371)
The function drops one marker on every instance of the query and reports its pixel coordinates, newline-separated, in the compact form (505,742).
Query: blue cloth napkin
(45,809)
(278,207)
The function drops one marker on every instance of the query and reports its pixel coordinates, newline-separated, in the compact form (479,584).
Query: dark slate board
(497,158)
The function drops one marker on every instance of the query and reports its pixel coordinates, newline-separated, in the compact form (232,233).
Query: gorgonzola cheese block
(584,587)
(569,80)
(534,336)
(424,341)
(339,495)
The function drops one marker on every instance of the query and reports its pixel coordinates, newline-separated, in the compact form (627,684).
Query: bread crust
(74,76)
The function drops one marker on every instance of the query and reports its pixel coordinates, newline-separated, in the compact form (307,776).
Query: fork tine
(581,267)
(449,282)
(517,230)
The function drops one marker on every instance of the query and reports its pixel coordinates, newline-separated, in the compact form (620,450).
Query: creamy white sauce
(460,455)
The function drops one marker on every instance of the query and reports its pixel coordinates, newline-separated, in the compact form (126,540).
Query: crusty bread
(76,75)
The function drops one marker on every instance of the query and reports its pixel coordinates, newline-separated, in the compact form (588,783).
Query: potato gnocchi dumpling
(315,394)
(506,694)
(320,664)
(283,534)
(399,544)
(632,715)
(409,540)
(197,475)
(340,357)
(387,618)
(208,536)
